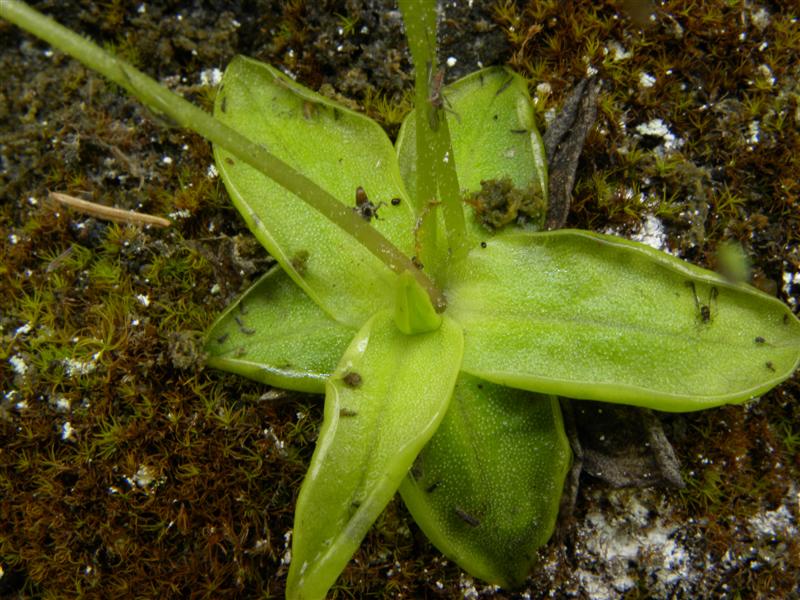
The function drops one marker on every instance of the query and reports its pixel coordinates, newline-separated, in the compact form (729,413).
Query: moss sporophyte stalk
(441,346)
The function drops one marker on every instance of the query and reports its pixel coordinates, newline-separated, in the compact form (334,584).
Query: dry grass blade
(109,213)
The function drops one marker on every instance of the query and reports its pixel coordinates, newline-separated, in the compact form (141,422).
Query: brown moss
(226,467)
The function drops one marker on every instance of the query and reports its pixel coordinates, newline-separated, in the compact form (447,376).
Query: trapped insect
(364,207)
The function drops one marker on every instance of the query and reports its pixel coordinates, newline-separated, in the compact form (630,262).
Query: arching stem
(185,114)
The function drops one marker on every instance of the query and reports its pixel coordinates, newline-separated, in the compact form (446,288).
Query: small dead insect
(395,201)
(760,340)
(352,380)
(417,263)
(436,98)
(504,86)
(417,470)
(223,105)
(483,244)
(242,327)
(466,517)
(432,487)
(58,260)
(520,131)
(347,412)
(309,110)
(435,83)
(366,209)
(704,310)
(272,395)
(239,352)
(221,339)
(300,261)
(770,366)
(230,161)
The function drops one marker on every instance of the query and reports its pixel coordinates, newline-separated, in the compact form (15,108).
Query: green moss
(388,111)
(499,203)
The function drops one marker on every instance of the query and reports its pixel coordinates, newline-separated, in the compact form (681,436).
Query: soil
(127,469)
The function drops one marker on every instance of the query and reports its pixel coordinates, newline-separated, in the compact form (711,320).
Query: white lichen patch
(760,17)
(636,535)
(146,478)
(468,589)
(651,233)
(753,133)
(769,534)
(658,129)
(74,367)
(211,77)
(646,80)
(279,444)
(549,116)
(765,75)
(773,525)
(23,329)
(67,432)
(542,93)
(18,364)
(395,568)
(286,559)
(180,214)
(617,51)
(61,404)
(790,280)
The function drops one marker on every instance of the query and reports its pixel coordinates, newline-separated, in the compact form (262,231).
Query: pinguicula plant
(439,345)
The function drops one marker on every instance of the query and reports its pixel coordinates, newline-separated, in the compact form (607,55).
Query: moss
(175,481)
(499,203)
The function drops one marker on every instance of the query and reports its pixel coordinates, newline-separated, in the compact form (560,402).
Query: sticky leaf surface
(276,334)
(383,403)
(597,317)
(486,488)
(336,148)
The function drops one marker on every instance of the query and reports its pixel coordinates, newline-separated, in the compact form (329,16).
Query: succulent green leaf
(336,148)
(486,488)
(598,317)
(275,334)
(414,312)
(383,403)
(493,134)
